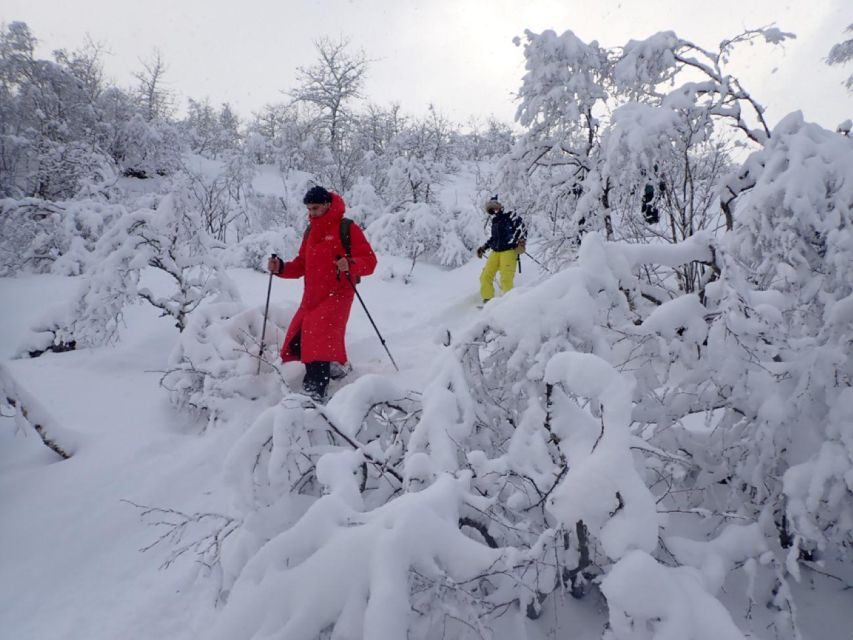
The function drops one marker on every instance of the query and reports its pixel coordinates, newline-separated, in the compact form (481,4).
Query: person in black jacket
(506,242)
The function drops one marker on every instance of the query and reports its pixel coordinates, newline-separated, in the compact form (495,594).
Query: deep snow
(71,564)
(71,540)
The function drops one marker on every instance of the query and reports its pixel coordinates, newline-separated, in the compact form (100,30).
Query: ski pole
(369,317)
(264,328)
(537,262)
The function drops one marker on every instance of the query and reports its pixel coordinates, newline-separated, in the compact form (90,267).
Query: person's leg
(508,262)
(316,379)
(295,345)
(487,276)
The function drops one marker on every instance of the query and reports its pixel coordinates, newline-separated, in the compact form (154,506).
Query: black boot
(316,380)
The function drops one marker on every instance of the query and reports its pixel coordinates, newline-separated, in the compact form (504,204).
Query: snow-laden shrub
(473,225)
(413,232)
(253,250)
(603,124)
(364,205)
(517,476)
(574,453)
(276,469)
(222,193)
(161,256)
(401,570)
(466,228)
(795,239)
(749,380)
(144,148)
(419,231)
(213,370)
(42,236)
(679,602)
(545,425)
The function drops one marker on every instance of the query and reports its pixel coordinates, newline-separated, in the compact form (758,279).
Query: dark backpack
(344,230)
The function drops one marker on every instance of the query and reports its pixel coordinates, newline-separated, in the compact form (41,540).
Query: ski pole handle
(338,269)
(274,256)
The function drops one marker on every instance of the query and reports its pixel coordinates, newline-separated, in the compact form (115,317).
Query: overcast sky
(457,54)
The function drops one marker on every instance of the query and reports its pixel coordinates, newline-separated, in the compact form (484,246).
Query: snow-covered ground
(70,535)
(70,540)
(80,559)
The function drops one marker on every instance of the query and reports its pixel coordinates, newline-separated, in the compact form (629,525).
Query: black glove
(481,251)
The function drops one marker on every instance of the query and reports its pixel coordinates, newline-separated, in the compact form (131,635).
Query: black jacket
(507,231)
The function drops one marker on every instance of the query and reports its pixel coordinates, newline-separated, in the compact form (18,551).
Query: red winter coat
(326,301)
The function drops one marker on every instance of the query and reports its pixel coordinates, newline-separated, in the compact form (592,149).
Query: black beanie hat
(317,195)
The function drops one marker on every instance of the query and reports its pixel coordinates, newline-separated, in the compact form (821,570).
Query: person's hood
(332,217)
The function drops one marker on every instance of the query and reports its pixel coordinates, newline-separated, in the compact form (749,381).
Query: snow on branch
(696,248)
(352,573)
(29,413)
(168,240)
(842,53)
(602,488)
(212,369)
(670,601)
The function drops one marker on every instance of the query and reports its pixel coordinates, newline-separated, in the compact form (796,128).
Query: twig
(357,445)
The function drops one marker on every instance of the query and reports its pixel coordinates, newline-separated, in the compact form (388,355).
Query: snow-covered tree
(663,117)
(329,87)
(221,195)
(42,236)
(795,239)
(418,158)
(50,135)
(565,87)
(152,94)
(414,231)
(669,169)
(162,256)
(842,53)
(483,140)
(149,149)
(331,84)
(209,132)
(202,127)
(378,126)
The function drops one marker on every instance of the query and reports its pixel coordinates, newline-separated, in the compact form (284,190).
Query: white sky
(456,53)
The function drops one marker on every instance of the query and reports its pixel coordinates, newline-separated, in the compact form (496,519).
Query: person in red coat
(316,333)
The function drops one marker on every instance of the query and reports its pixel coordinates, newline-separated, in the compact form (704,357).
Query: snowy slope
(71,539)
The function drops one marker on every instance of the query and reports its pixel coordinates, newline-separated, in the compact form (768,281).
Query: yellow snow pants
(503,261)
